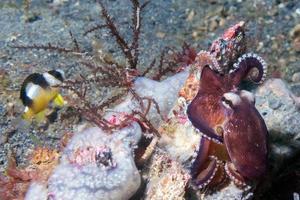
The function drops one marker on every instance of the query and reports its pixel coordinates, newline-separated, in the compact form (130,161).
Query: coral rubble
(95,165)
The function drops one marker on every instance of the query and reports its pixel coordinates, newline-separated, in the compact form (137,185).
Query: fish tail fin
(28,115)
(59,100)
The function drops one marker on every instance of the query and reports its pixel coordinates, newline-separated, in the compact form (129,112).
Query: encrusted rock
(37,191)
(179,139)
(163,92)
(168,179)
(295,88)
(96,165)
(279,108)
(229,192)
(296,77)
(295,35)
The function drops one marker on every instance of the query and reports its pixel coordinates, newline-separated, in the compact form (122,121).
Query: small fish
(38,91)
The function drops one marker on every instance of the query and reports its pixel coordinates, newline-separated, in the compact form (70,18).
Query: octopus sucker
(207,173)
(201,156)
(244,68)
(205,58)
(220,177)
(208,137)
(234,175)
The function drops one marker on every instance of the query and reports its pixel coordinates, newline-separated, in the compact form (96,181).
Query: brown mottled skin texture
(231,45)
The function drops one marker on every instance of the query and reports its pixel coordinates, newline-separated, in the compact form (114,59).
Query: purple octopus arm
(204,110)
(201,157)
(200,123)
(244,68)
(245,136)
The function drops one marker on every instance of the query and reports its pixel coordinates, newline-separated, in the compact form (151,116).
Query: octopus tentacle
(208,172)
(205,58)
(205,131)
(203,112)
(200,157)
(234,175)
(244,66)
(220,177)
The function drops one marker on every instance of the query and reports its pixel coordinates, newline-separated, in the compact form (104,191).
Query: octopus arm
(204,111)
(201,121)
(246,140)
(201,157)
(204,58)
(207,173)
(244,68)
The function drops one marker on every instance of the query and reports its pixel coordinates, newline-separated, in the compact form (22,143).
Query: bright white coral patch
(163,92)
(36,191)
(87,180)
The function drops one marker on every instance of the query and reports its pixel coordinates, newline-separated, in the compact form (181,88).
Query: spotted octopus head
(231,45)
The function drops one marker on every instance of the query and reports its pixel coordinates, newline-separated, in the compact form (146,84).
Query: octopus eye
(239,37)
(230,100)
(226,103)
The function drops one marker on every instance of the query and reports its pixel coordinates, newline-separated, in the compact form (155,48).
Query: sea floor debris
(186,21)
(94,165)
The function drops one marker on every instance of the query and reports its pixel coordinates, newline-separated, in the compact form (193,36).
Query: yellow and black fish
(38,90)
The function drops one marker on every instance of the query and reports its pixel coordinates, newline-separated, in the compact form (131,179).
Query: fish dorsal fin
(51,80)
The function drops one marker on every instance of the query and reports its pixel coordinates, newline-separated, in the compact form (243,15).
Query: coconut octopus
(234,135)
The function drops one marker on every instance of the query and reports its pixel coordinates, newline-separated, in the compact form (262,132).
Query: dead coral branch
(130,50)
(173,61)
(104,73)
(51,47)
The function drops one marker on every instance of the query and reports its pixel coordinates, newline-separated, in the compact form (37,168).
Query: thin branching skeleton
(110,74)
